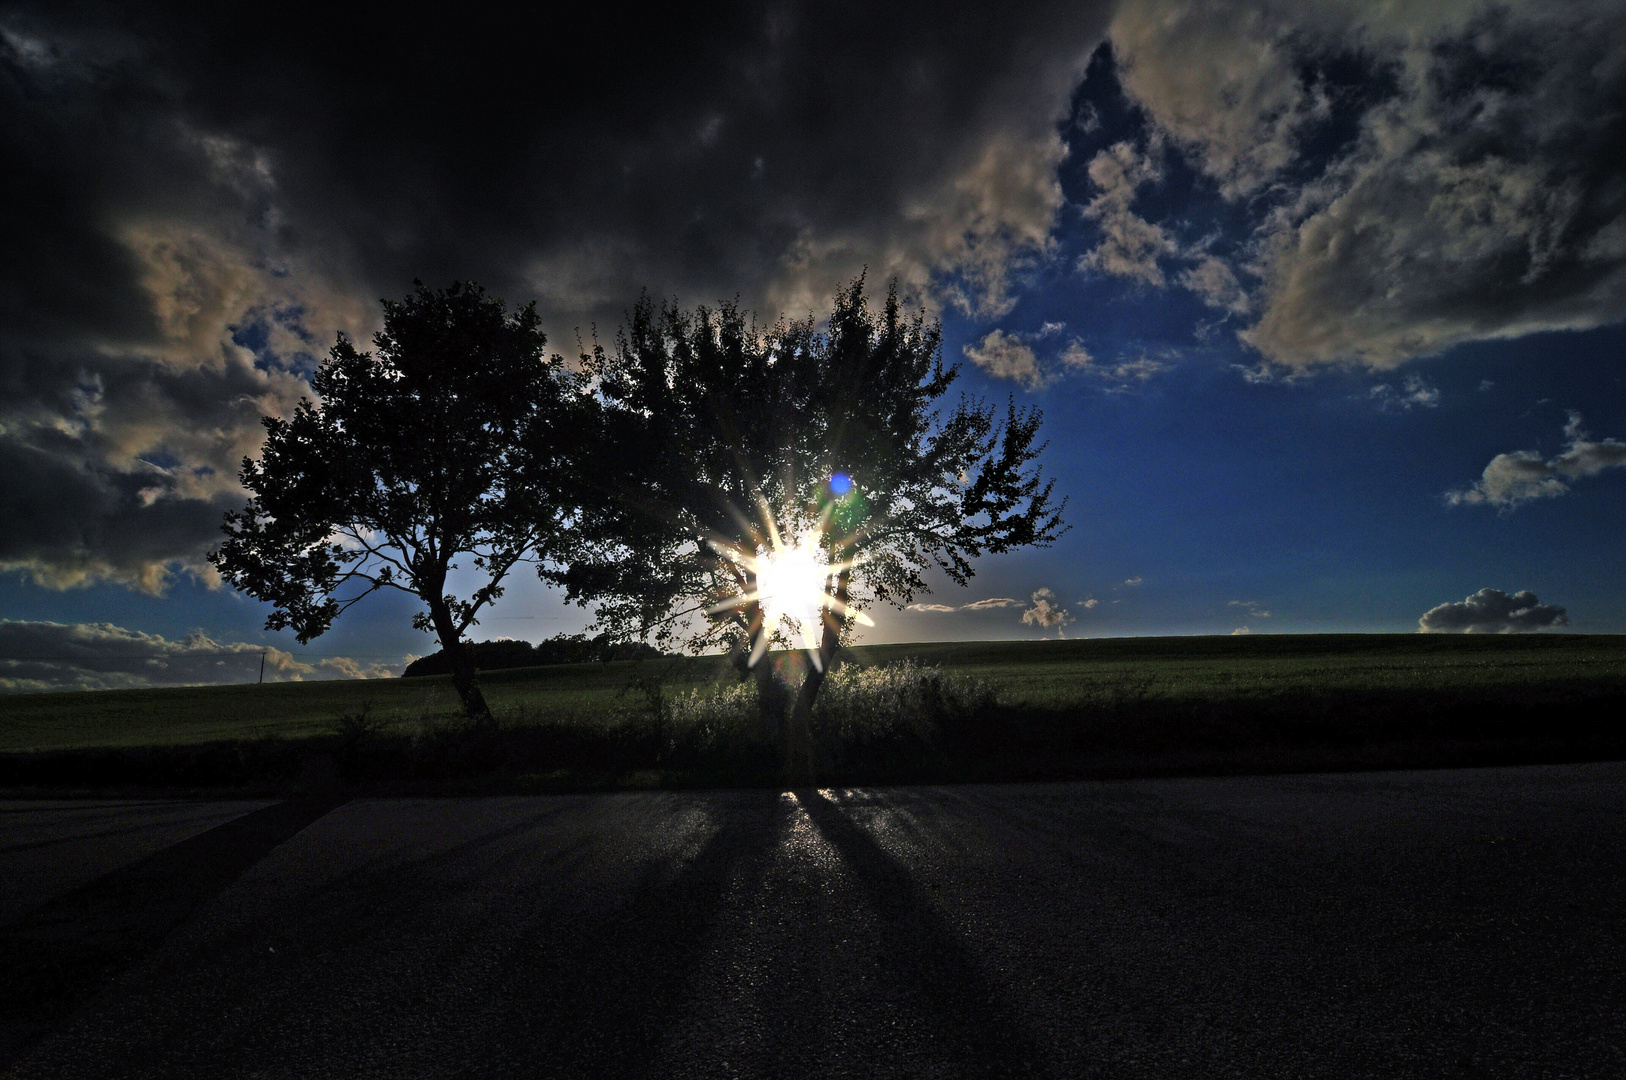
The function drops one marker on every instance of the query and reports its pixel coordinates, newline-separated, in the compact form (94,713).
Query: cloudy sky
(1322,301)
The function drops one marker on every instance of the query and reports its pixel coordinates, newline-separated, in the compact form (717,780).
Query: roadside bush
(356,732)
(714,725)
(901,703)
(904,706)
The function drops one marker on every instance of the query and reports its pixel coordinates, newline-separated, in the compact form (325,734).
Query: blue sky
(1322,302)
(1319,495)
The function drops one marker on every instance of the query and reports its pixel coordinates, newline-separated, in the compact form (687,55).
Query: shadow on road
(57,956)
(595,998)
(598,993)
(926,954)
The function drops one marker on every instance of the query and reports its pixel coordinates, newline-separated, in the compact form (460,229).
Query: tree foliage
(717,434)
(448,442)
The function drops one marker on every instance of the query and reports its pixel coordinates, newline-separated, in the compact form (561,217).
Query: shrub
(715,724)
(903,704)
(907,702)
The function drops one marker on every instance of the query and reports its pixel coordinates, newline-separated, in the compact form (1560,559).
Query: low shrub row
(899,722)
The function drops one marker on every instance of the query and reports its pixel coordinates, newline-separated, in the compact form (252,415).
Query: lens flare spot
(840,484)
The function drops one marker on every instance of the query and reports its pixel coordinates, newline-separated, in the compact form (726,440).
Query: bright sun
(791,584)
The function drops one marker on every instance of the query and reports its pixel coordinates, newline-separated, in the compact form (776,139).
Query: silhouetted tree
(718,434)
(445,444)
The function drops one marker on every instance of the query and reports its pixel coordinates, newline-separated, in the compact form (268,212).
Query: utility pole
(262,666)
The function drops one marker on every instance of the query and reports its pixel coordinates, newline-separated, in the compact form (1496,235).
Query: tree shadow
(925,953)
(596,998)
(103,834)
(57,956)
(586,973)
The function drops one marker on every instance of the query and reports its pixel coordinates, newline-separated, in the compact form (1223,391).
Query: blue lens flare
(840,483)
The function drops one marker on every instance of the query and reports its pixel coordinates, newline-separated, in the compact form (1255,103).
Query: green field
(1239,670)
(187,715)
(1054,698)
(1081,675)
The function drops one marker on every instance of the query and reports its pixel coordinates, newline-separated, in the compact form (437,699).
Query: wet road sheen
(1463,923)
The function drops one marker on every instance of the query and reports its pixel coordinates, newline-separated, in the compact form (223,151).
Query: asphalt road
(1438,924)
(50,848)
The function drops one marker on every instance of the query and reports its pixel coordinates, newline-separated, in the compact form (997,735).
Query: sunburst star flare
(792,585)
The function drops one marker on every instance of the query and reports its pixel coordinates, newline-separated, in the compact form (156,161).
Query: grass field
(1056,700)
(186,715)
(1239,670)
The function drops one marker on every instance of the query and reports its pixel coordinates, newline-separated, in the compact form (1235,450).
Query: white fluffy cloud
(992,602)
(1127,373)
(36,656)
(1222,81)
(1130,245)
(1006,356)
(1477,197)
(1522,476)
(1012,357)
(1216,283)
(1414,392)
(1045,612)
(1492,611)
(1115,377)
(1076,357)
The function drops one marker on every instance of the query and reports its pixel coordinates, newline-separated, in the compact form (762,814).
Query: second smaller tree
(449,443)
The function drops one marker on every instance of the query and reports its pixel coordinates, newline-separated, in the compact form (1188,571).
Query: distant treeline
(559,649)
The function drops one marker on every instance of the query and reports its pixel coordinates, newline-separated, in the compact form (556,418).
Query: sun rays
(790,579)
(793,584)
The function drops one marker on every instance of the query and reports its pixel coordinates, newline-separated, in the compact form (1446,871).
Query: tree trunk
(451,642)
(799,765)
(770,695)
(799,771)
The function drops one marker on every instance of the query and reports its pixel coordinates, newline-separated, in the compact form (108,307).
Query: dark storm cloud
(120,465)
(1492,611)
(194,203)
(69,523)
(770,149)
(138,245)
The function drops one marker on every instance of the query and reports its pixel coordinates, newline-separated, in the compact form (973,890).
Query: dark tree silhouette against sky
(444,444)
(1324,303)
(726,443)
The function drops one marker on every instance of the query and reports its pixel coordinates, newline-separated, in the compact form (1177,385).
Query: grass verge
(894,714)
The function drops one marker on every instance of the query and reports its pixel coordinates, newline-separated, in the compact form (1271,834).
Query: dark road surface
(1444,924)
(48,848)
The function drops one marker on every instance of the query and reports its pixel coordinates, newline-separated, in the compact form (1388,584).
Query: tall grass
(897,703)
(902,707)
